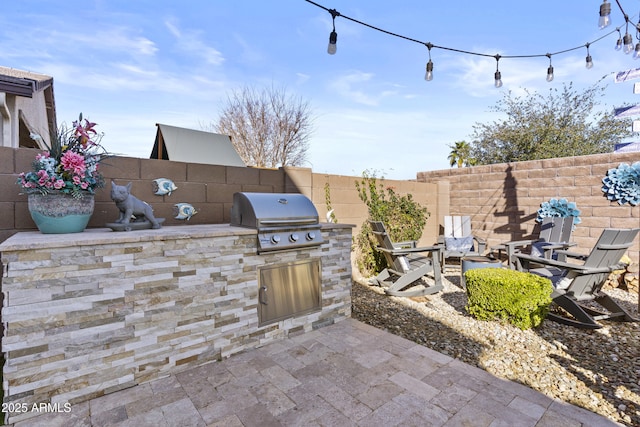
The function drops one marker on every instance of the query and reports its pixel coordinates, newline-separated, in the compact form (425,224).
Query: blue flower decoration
(623,184)
(559,208)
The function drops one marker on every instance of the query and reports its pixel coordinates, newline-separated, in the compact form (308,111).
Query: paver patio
(345,374)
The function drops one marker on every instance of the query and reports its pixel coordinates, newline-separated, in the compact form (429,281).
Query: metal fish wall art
(184,211)
(162,186)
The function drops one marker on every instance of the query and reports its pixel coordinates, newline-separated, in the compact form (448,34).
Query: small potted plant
(64,178)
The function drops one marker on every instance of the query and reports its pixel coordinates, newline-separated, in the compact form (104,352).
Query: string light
(636,53)
(497,76)
(429,74)
(589,61)
(549,70)
(605,11)
(626,42)
(333,37)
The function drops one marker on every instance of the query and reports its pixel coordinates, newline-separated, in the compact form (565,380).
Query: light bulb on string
(550,74)
(429,73)
(497,76)
(332,47)
(498,79)
(588,59)
(589,62)
(636,52)
(333,37)
(627,43)
(550,69)
(605,11)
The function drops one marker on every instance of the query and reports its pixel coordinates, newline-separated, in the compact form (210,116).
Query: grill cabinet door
(287,290)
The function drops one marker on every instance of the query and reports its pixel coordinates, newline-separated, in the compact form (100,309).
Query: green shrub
(521,299)
(327,199)
(403,217)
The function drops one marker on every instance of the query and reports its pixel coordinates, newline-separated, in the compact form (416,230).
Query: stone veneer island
(91,313)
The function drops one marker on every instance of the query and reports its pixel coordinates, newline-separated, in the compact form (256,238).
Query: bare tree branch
(268,128)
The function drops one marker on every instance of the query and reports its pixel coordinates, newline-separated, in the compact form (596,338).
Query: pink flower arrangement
(70,165)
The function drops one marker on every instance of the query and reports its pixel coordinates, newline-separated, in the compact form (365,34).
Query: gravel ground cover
(596,369)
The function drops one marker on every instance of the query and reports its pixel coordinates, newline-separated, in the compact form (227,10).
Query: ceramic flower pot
(59,213)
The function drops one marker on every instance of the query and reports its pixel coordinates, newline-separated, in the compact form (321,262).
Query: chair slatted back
(398,263)
(556,229)
(610,248)
(457,226)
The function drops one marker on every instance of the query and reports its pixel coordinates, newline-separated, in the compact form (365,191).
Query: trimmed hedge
(522,299)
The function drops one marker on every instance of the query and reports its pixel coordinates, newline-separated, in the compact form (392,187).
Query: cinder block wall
(503,199)
(209,188)
(349,209)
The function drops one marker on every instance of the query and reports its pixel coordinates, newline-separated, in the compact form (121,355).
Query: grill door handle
(262,295)
(289,221)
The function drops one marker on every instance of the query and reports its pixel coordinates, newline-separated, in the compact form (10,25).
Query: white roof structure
(194,146)
(27,106)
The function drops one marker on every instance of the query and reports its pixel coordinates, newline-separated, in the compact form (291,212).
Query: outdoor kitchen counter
(95,236)
(89,313)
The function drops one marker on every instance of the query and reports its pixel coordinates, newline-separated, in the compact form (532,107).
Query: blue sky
(129,64)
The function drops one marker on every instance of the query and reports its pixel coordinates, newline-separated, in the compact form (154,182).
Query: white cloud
(359,87)
(249,54)
(302,78)
(191,42)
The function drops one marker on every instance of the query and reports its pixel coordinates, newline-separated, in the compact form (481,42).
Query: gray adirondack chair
(458,240)
(555,233)
(406,266)
(576,284)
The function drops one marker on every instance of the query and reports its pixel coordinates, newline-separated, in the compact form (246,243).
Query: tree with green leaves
(562,124)
(460,154)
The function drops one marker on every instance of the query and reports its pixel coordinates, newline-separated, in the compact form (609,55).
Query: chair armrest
(523,261)
(580,269)
(405,244)
(518,243)
(608,269)
(618,246)
(419,249)
(512,247)
(558,248)
(570,254)
(407,251)
(560,245)
(482,244)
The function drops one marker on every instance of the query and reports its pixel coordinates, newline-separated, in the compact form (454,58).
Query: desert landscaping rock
(596,369)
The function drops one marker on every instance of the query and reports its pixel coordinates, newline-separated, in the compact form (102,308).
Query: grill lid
(267,210)
(284,221)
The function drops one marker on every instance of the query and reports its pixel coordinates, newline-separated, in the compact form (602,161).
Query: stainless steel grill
(284,221)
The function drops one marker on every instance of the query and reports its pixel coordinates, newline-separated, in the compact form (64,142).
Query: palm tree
(460,154)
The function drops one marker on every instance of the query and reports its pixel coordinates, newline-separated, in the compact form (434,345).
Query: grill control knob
(311,235)
(293,238)
(275,239)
